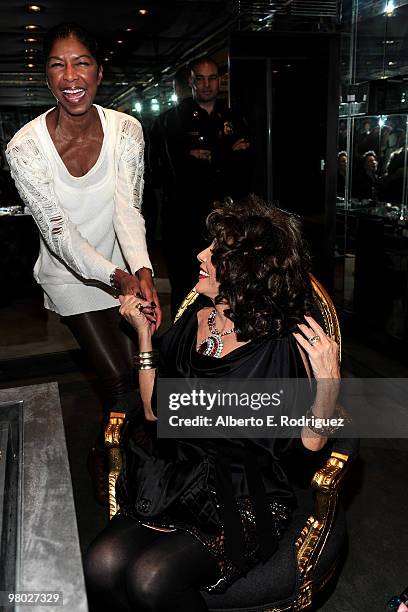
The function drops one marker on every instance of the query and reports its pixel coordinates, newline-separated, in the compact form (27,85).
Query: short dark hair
(204,59)
(262,264)
(66,30)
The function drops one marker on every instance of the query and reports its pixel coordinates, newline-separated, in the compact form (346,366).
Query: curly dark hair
(262,265)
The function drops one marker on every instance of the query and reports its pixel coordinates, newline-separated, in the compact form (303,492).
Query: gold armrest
(327,478)
(313,537)
(113,431)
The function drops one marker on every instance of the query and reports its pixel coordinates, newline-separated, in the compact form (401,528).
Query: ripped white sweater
(89,225)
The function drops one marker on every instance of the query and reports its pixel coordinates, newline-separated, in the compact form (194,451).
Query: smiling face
(73,75)
(207,282)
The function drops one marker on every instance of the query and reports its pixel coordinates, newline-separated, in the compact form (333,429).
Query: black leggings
(108,343)
(131,568)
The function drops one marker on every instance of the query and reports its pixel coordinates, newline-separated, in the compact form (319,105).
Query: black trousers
(109,344)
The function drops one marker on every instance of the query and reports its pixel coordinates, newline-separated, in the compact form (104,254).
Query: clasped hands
(140,287)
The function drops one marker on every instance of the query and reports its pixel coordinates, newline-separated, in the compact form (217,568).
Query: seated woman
(249,321)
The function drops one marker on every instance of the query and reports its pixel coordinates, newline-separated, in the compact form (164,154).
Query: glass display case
(372,220)
(372,209)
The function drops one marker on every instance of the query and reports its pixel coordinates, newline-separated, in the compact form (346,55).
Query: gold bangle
(146,360)
(151,353)
(325,430)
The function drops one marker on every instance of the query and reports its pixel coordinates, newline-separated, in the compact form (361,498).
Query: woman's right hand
(127,284)
(139,313)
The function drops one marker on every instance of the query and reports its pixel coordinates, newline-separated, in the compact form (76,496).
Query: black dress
(247,500)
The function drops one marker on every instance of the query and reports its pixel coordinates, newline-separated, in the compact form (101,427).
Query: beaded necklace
(212,346)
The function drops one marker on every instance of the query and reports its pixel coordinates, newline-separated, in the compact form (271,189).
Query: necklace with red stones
(212,346)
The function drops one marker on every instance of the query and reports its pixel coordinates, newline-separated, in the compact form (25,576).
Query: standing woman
(79,169)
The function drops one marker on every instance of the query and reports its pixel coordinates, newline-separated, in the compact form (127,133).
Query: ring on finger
(139,307)
(313,339)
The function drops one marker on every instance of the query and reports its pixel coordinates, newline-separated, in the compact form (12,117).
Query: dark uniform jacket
(191,185)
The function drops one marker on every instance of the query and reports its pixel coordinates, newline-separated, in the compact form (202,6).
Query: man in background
(199,154)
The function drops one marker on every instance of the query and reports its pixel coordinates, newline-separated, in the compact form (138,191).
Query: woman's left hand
(323,352)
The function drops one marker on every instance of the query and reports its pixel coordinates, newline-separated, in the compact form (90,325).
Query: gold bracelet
(143,354)
(325,430)
(146,360)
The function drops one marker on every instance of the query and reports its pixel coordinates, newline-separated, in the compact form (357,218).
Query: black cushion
(275,582)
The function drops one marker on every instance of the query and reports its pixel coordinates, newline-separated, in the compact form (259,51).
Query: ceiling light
(31,27)
(391,63)
(30,57)
(30,65)
(106,59)
(389,8)
(111,52)
(143,12)
(119,42)
(31,40)
(128,29)
(34,8)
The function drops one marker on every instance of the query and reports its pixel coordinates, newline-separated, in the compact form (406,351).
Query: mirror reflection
(372,218)
(373,169)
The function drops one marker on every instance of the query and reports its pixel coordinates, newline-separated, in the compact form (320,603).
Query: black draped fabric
(246,486)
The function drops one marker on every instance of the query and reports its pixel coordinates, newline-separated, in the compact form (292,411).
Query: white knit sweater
(89,225)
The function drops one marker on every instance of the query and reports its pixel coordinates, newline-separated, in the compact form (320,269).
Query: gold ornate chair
(310,549)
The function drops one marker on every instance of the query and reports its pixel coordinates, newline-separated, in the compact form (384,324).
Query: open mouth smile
(203,274)
(74,95)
